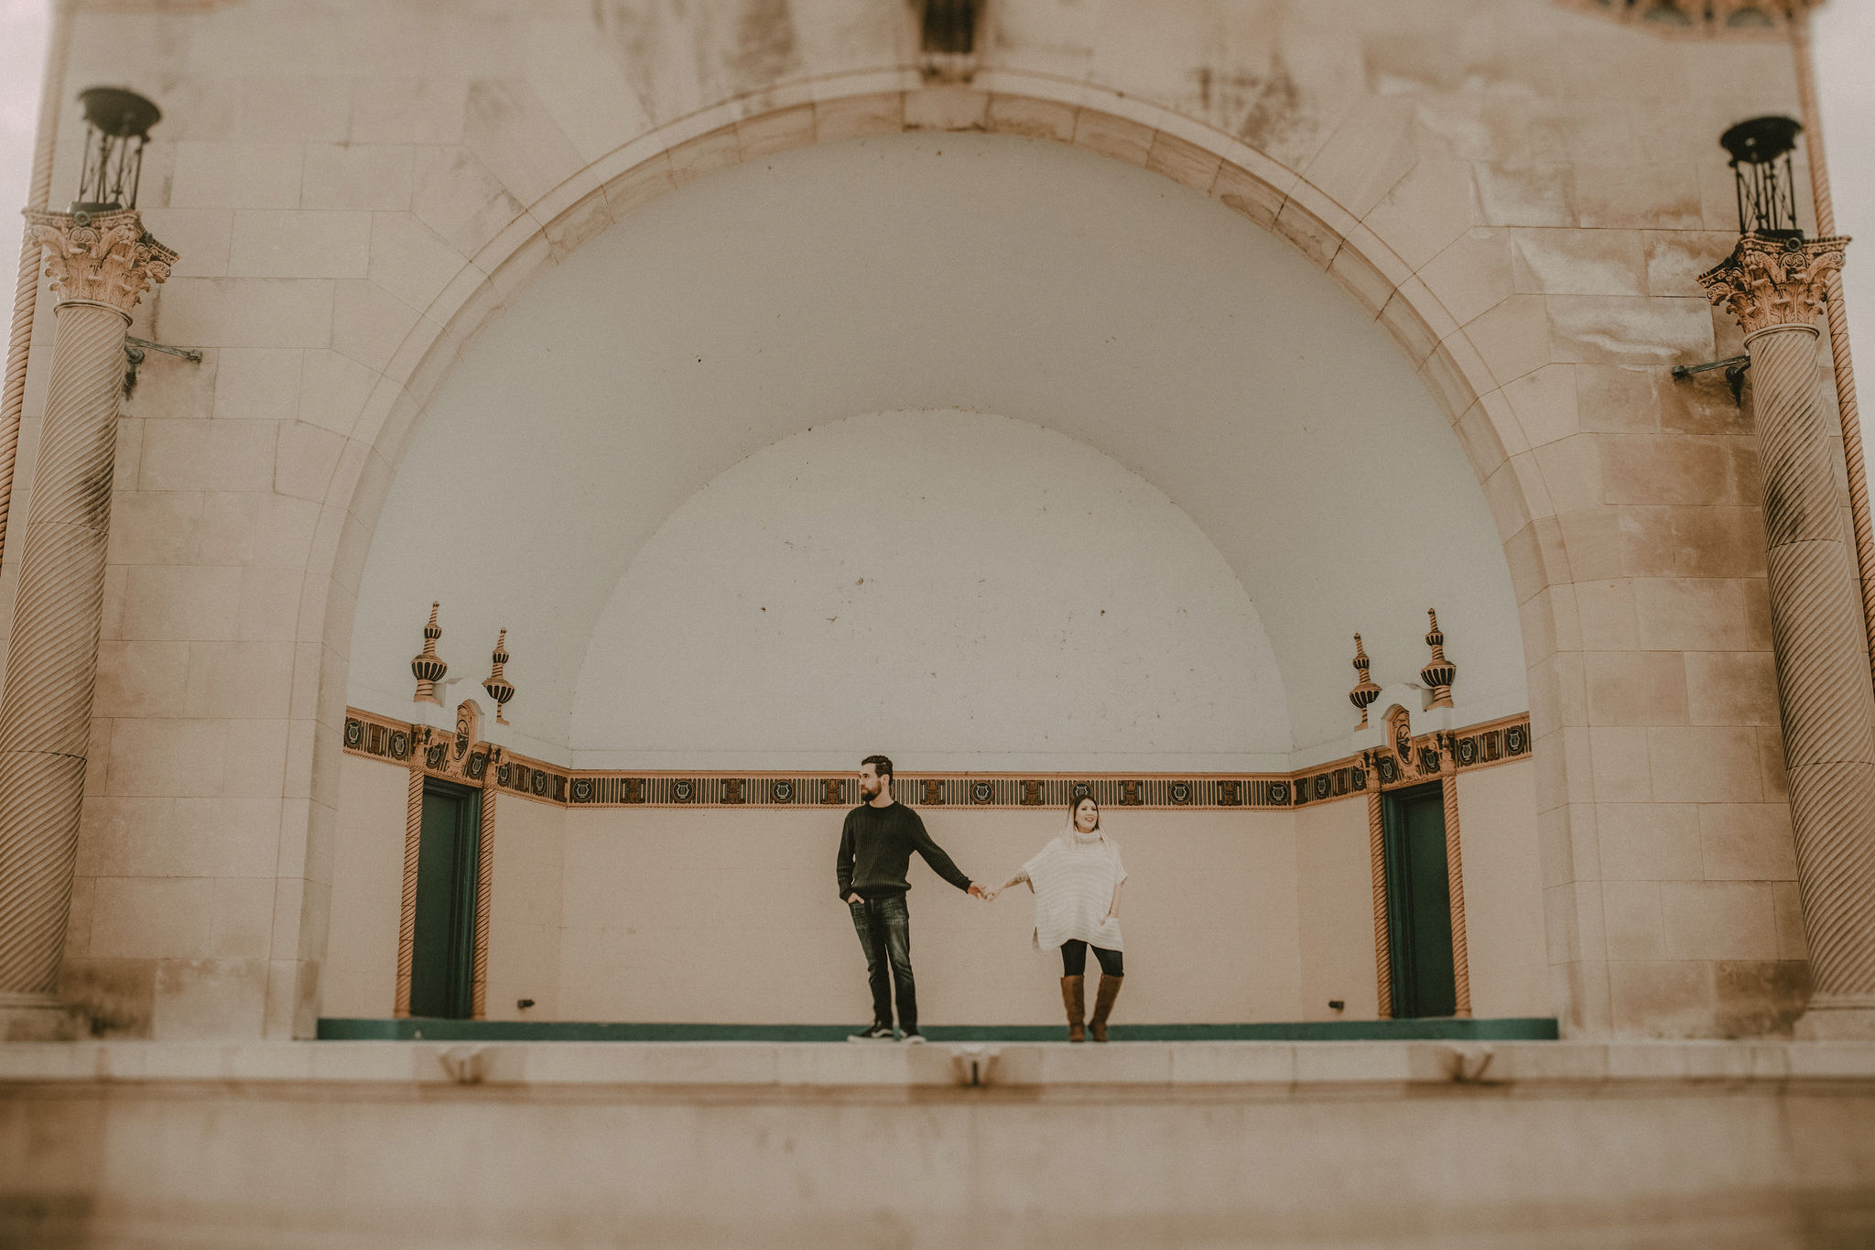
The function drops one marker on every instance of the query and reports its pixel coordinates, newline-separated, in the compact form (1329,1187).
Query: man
(875,851)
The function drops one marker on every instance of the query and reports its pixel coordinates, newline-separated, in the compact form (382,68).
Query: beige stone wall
(1520,194)
(367,890)
(1729,1146)
(732,917)
(1334,888)
(1503,873)
(525,910)
(721,916)
(367,899)
(1335,908)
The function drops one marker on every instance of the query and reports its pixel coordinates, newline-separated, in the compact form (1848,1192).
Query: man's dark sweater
(876,847)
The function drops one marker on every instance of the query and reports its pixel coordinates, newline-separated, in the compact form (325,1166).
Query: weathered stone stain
(1264,110)
(765,44)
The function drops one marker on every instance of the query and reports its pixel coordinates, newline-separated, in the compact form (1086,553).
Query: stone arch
(1356,255)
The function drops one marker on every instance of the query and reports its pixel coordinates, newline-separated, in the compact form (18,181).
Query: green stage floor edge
(1511,1029)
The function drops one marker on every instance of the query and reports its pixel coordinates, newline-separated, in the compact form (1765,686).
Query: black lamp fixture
(1761,165)
(947,38)
(1766,180)
(117,126)
(950,27)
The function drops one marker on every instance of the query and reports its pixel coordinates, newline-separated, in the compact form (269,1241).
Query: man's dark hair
(880,764)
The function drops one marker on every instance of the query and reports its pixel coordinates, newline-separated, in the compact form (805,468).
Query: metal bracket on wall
(136,350)
(1734,367)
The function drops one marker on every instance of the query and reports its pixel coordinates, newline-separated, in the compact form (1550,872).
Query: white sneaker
(877,1033)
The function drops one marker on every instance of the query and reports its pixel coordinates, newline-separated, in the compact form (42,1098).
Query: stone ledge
(1264,1068)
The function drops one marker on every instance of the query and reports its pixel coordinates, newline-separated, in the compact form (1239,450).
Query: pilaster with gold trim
(1377,852)
(484,899)
(1455,873)
(407,911)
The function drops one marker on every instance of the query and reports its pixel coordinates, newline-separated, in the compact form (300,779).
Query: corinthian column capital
(1767,283)
(1765,19)
(101,258)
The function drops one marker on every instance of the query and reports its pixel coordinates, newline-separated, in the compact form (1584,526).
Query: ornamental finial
(427,665)
(499,688)
(1440,672)
(1365,691)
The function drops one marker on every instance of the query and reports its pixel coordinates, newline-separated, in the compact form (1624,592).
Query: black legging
(1074,959)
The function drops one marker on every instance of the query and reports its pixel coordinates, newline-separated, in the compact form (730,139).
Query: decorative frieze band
(1407,760)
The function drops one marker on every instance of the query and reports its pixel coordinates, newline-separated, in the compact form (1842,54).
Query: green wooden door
(1419,907)
(443,954)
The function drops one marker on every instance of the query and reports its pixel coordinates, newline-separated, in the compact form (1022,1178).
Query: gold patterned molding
(1408,759)
(1735,19)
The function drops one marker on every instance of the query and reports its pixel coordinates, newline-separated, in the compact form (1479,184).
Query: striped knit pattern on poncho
(1073,890)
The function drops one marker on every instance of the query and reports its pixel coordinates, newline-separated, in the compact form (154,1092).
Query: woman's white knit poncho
(1073,889)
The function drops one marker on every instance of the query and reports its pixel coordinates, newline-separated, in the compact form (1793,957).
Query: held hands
(976,891)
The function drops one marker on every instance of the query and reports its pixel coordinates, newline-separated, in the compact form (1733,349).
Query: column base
(1838,1020)
(36,1018)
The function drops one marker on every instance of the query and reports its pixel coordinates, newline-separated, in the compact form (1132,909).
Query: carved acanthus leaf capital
(1767,283)
(106,258)
(1738,18)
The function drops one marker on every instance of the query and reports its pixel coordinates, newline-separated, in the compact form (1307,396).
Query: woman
(1076,881)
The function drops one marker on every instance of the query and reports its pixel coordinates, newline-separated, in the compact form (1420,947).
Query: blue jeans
(884,928)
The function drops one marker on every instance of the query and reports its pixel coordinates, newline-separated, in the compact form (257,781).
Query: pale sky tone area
(1844,39)
(22,62)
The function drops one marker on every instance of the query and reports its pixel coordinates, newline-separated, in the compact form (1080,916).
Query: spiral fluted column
(26,290)
(100,265)
(1774,288)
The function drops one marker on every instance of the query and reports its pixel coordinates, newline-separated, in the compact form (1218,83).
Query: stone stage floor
(983,1144)
(1433,1028)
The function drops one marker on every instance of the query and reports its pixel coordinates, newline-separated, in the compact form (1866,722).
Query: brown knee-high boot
(1074,1000)
(1103,1005)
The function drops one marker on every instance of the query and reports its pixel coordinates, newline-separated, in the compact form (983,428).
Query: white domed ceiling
(948,585)
(1285,441)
